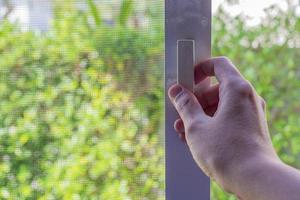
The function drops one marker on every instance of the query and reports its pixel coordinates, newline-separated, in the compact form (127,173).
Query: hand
(224,126)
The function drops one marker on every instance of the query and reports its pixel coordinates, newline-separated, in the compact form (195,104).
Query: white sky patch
(251,8)
(20,14)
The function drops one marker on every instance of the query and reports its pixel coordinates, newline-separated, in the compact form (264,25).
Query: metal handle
(185,63)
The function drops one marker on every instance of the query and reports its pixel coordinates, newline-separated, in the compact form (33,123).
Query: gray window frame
(184,20)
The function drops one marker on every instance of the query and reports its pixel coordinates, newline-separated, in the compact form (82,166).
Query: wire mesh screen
(81,90)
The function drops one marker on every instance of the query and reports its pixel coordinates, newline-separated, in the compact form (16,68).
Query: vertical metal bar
(184,20)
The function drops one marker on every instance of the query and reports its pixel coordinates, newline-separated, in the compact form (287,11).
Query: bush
(73,125)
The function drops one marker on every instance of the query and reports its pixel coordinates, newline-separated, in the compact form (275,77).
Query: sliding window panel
(81,99)
(187,41)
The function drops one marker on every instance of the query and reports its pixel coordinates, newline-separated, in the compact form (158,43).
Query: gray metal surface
(185,20)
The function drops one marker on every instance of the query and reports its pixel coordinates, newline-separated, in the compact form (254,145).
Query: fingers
(209,101)
(221,67)
(208,98)
(234,89)
(179,128)
(186,105)
(211,111)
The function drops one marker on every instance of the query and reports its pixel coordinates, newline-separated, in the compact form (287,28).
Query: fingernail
(174,91)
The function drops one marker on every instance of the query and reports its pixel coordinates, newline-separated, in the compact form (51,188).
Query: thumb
(186,105)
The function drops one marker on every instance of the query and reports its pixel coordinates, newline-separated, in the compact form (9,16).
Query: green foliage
(125,11)
(94,11)
(69,127)
(82,105)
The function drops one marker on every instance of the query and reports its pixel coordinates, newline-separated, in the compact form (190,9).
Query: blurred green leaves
(94,10)
(72,124)
(125,11)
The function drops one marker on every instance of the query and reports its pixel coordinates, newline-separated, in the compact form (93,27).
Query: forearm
(267,179)
(232,143)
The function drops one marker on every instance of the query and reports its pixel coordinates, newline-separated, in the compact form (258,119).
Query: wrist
(241,171)
(245,177)
(267,178)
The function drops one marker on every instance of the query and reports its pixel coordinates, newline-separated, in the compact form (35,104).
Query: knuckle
(241,87)
(182,101)
(221,62)
(223,59)
(192,127)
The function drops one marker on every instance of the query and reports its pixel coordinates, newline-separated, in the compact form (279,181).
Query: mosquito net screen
(81,90)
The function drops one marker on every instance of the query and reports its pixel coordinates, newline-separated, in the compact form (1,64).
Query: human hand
(224,126)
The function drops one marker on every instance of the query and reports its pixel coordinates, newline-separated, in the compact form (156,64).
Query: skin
(226,130)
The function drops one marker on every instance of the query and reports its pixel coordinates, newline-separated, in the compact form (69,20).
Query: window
(81,100)
(83,111)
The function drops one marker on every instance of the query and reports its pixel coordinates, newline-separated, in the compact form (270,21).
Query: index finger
(220,67)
